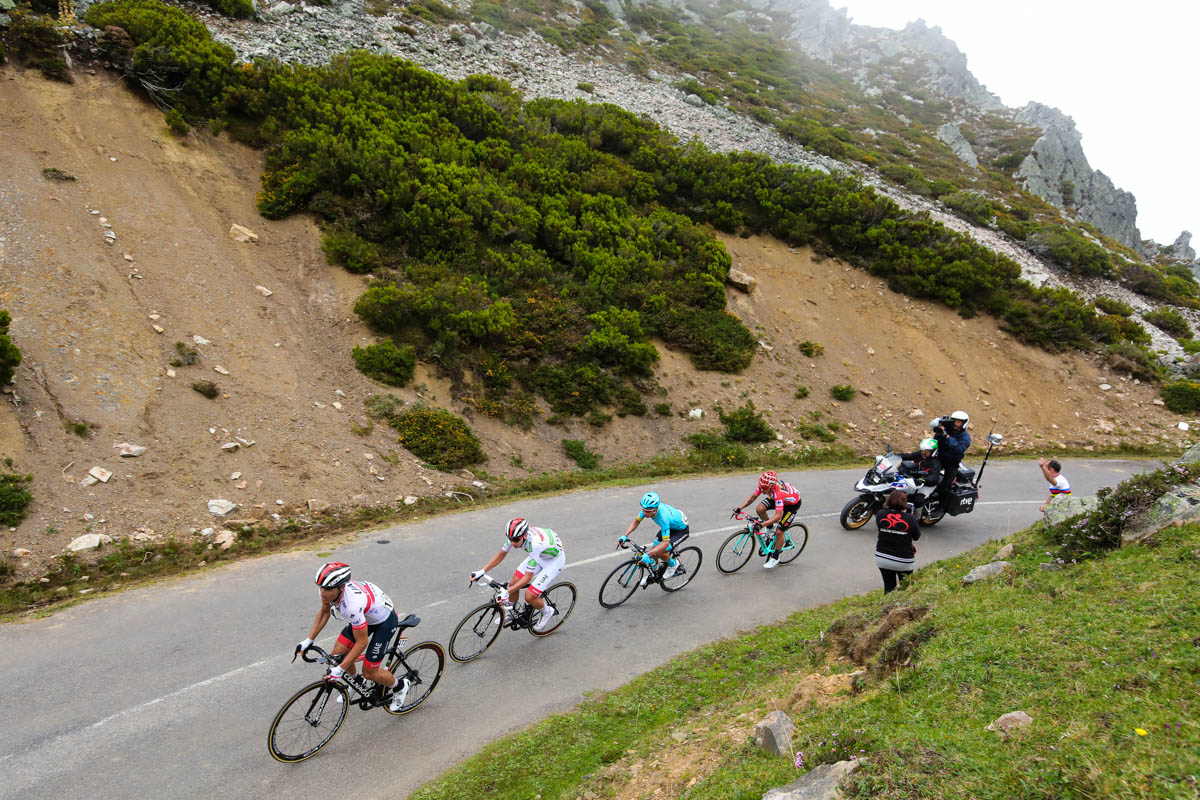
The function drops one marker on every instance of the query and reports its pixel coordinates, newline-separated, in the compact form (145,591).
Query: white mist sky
(1127,73)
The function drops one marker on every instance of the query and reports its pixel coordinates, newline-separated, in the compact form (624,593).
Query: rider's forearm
(496,559)
(319,624)
(632,526)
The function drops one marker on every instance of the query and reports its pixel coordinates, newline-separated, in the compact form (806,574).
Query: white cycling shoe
(771,563)
(670,572)
(398,696)
(544,623)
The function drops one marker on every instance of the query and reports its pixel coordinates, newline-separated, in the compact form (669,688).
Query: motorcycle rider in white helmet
(952,439)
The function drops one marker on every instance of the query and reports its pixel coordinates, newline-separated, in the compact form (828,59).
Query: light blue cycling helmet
(650,500)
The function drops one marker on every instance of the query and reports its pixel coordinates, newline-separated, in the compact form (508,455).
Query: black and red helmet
(516,529)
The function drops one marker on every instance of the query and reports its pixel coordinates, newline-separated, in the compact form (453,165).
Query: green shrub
(351,251)
(207,388)
(14,498)
(36,40)
(662,409)
(842,392)
(802,392)
(598,419)
(386,363)
(382,406)
(716,451)
(10,355)
(1072,251)
(816,430)
(1111,305)
(745,424)
(1190,346)
(1119,509)
(1182,397)
(970,206)
(238,9)
(185,355)
(1170,321)
(586,87)
(577,451)
(1134,359)
(438,437)
(175,122)
(811,349)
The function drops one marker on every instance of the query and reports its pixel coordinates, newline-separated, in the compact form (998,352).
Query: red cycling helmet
(516,529)
(767,481)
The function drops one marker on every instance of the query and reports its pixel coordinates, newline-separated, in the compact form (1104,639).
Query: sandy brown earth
(84,313)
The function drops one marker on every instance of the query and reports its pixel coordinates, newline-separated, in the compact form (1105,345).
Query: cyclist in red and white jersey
(370,622)
(546,559)
(777,509)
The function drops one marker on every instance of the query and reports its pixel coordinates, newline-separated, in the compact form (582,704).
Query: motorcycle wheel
(932,513)
(857,512)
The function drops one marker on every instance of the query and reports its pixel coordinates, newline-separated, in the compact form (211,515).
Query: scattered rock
(694,100)
(240,233)
(985,571)
(316,506)
(206,532)
(679,736)
(820,783)
(198,339)
(230,447)
(127,450)
(411,500)
(245,442)
(1004,553)
(21,552)
(235,476)
(224,539)
(696,413)
(1013,720)
(1104,387)
(220,370)
(774,733)
(741,281)
(916,413)
(221,507)
(100,474)
(1050,566)
(1183,426)
(264,291)
(89,541)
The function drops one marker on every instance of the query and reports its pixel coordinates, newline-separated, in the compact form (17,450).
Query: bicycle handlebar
(488,580)
(321,655)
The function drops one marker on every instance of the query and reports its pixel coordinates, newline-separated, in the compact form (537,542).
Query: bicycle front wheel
(308,721)
(793,545)
(561,597)
(621,583)
(476,633)
(689,559)
(735,552)
(422,665)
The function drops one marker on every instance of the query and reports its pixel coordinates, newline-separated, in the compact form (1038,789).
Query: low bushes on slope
(555,236)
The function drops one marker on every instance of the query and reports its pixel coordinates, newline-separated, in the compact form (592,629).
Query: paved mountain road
(167,691)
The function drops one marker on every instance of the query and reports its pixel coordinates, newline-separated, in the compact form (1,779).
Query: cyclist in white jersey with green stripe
(546,559)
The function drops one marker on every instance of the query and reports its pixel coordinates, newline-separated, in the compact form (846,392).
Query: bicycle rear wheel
(561,596)
(621,583)
(422,664)
(689,559)
(476,633)
(308,721)
(798,533)
(735,552)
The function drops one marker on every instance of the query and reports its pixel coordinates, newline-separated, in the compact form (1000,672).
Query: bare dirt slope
(84,317)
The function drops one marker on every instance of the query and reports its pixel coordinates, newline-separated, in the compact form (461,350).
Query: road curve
(167,691)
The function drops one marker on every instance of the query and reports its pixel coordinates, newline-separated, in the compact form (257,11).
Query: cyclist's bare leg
(519,581)
(764,511)
(659,551)
(378,674)
(778,540)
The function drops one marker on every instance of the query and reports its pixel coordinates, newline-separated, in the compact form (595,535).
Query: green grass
(1093,653)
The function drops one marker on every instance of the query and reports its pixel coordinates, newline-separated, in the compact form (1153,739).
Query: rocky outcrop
(1057,170)
(1182,249)
(952,137)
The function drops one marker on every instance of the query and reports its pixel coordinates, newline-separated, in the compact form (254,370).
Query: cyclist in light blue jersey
(672,531)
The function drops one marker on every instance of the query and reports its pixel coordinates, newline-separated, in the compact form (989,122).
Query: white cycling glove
(335,673)
(307,643)
(477,575)
(502,599)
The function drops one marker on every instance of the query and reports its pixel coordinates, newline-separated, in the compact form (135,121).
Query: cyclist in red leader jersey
(786,501)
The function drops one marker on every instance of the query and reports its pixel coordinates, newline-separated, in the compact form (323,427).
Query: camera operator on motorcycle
(952,439)
(926,470)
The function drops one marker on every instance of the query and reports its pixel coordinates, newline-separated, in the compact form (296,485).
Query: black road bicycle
(623,581)
(313,716)
(737,549)
(480,627)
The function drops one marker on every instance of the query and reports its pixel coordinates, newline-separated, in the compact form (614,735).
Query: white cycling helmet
(964,416)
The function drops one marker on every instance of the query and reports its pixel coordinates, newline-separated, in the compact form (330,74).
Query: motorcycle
(890,473)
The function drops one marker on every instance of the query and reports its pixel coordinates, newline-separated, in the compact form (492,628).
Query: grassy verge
(1104,656)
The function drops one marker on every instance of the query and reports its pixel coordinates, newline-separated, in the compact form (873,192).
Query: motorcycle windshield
(887,463)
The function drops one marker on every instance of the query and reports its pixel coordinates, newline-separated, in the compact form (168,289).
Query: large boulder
(820,783)
(1192,456)
(1064,507)
(951,135)
(89,541)
(1181,504)
(774,733)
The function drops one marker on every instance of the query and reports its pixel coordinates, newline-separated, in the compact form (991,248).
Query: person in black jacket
(926,469)
(895,552)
